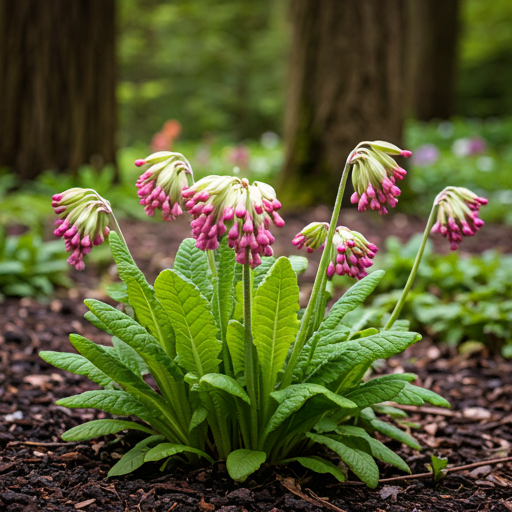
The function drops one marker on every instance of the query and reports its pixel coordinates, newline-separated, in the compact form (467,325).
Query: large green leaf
(242,463)
(260,271)
(192,263)
(224,298)
(360,462)
(134,458)
(99,428)
(119,250)
(112,401)
(77,364)
(376,392)
(299,264)
(164,450)
(275,323)
(235,341)
(225,383)
(414,395)
(129,357)
(196,333)
(96,322)
(319,465)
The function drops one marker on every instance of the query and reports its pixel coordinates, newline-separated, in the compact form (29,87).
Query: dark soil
(40,472)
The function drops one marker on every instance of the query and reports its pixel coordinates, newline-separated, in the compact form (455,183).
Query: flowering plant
(240,378)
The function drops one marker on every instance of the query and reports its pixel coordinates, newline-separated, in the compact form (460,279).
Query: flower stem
(322,269)
(250,353)
(412,275)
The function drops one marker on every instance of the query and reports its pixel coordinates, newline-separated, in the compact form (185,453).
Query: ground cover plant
(240,378)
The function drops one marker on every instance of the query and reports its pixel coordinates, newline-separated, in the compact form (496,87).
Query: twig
(35,443)
(448,470)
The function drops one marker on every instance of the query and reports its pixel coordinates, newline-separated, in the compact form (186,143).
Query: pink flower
(226,204)
(457,214)
(83,222)
(351,254)
(374,175)
(160,186)
(312,236)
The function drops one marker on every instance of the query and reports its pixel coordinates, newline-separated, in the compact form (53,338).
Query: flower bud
(83,223)
(351,254)
(457,214)
(312,236)
(374,175)
(160,186)
(221,204)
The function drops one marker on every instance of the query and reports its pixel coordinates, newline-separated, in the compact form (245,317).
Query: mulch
(40,472)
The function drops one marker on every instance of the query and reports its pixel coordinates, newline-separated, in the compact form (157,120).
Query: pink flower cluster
(160,186)
(312,236)
(352,254)
(374,175)
(221,204)
(457,214)
(83,222)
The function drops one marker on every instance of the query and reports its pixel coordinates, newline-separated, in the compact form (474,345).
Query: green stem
(250,353)
(320,305)
(412,275)
(322,269)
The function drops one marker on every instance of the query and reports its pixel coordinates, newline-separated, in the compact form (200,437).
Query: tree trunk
(431,51)
(57,91)
(345,86)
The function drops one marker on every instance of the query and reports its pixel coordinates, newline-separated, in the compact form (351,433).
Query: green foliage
(30,267)
(454,299)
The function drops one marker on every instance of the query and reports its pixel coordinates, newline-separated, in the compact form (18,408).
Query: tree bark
(431,52)
(57,91)
(345,86)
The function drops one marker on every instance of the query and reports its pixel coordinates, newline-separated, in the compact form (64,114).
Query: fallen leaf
(84,504)
(37,381)
(431,428)
(206,507)
(495,479)
(481,471)
(388,491)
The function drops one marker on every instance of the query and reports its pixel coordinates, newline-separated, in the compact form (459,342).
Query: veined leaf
(225,286)
(299,264)
(415,395)
(376,392)
(235,340)
(112,401)
(199,415)
(130,357)
(134,458)
(77,364)
(275,323)
(192,263)
(98,428)
(118,292)
(319,465)
(261,271)
(225,383)
(242,463)
(196,334)
(119,250)
(164,450)
(96,322)
(357,460)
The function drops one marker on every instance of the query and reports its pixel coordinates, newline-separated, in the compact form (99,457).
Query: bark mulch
(40,472)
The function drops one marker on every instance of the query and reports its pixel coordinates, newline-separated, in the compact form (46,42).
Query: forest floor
(39,472)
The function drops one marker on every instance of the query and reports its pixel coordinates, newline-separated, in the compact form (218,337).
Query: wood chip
(476,413)
(84,504)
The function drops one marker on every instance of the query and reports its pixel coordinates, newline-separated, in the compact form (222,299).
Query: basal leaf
(261,271)
(242,463)
(225,286)
(130,357)
(76,364)
(134,458)
(164,450)
(299,264)
(376,392)
(225,383)
(96,322)
(99,428)
(275,323)
(198,416)
(196,333)
(235,339)
(319,465)
(192,263)
(423,394)
(119,250)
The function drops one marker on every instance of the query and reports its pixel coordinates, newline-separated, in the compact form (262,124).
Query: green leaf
(164,450)
(225,383)
(415,395)
(96,322)
(129,357)
(260,272)
(112,401)
(192,263)
(235,340)
(199,415)
(196,333)
(318,465)
(99,428)
(354,297)
(437,467)
(76,364)
(361,463)
(117,291)
(275,323)
(299,264)
(119,250)
(242,463)
(134,458)
(376,392)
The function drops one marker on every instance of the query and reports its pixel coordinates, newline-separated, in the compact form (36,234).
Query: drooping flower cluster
(221,204)
(374,175)
(312,236)
(351,254)
(160,186)
(83,222)
(457,214)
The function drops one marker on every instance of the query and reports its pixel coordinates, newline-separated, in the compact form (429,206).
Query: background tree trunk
(345,86)
(57,91)
(430,58)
